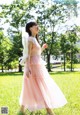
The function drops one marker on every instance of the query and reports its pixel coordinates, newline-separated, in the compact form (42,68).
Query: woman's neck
(33,35)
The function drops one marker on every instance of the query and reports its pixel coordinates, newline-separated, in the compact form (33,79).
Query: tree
(17,14)
(48,18)
(64,44)
(68,47)
(49,15)
(4,50)
(72,36)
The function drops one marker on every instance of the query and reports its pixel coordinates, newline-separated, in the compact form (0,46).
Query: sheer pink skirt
(40,90)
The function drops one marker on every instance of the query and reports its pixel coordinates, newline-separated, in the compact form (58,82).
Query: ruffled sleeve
(27,67)
(32,39)
(25,48)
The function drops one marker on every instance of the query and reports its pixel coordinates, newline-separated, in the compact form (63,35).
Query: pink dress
(39,90)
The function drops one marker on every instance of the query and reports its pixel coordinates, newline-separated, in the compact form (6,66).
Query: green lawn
(76,65)
(69,82)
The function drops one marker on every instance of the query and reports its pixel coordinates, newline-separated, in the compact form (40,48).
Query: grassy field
(77,65)
(69,82)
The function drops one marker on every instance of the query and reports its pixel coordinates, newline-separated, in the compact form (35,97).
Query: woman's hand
(28,72)
(44,46)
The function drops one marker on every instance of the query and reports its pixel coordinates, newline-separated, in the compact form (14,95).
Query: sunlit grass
(77,65)
(69,82)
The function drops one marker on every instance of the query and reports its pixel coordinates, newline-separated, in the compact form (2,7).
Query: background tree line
(48,15)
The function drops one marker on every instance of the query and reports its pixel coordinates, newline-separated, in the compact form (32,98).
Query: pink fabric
(39,90)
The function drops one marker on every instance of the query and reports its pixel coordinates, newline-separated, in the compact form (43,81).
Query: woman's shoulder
(32,39)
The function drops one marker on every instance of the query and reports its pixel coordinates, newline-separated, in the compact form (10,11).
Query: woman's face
(34,29)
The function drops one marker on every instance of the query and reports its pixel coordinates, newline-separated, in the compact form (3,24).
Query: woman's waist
(36,59)
(35,53)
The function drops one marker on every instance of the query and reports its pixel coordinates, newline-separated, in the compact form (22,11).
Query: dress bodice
(35,56)
(36,48)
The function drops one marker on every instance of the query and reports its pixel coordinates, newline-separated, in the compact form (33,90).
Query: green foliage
(17,14)
(48,16)
(68,47)
(5,46)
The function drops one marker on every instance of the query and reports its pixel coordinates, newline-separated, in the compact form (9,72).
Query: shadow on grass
(37,113)
(11,73)
(62,72)
(21,73)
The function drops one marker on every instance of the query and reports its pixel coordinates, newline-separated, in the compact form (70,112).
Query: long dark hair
(27,28)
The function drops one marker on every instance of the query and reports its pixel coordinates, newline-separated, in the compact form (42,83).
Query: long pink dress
(39,90)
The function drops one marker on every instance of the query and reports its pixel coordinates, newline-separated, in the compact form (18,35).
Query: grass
(69,82)
(77,65)
(68,66)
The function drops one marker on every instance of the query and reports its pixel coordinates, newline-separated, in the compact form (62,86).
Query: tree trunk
(71,61)
(2,68)
(64,62)
(48,62)
(20,68)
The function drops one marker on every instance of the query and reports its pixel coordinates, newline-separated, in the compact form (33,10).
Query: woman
(38,89)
